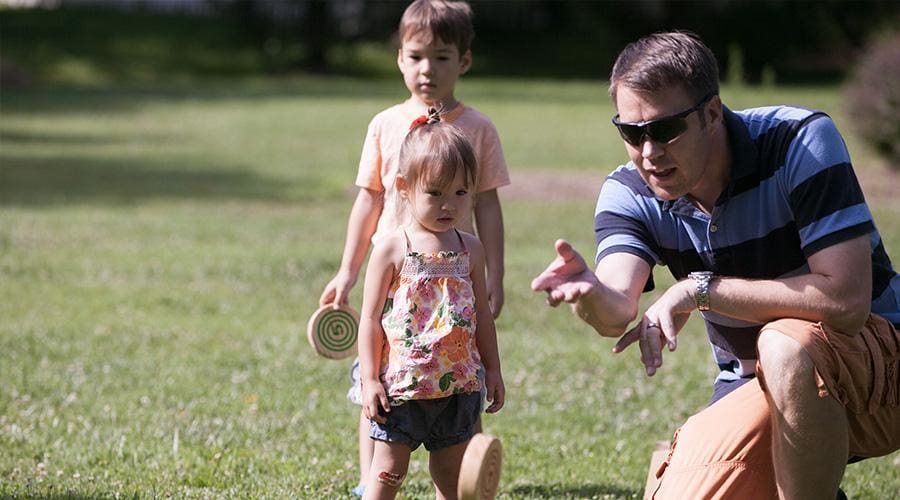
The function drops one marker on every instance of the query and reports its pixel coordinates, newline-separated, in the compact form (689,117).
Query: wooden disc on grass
(479,474)
(332,332)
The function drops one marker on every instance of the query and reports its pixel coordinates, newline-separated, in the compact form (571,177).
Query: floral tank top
(429,322)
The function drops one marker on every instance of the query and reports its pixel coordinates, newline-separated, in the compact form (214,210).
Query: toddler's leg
(444,466)
(389,465)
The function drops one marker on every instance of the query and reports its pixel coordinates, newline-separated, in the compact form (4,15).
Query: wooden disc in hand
(479,474)
(332,332)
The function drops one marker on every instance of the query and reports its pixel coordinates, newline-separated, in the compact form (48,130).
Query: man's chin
(664,194)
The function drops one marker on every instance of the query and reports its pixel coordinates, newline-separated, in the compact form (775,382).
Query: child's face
(438,208)
(430,70)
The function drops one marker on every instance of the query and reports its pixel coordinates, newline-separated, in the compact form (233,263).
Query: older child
(435,39)
(426,327)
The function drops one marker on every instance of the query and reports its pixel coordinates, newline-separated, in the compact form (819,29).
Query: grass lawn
(161,248)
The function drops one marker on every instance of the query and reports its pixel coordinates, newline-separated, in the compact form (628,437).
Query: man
(760,217)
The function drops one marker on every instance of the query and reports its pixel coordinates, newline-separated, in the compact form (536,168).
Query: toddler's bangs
(440,157)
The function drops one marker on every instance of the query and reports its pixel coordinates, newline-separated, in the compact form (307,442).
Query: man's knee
(784,364)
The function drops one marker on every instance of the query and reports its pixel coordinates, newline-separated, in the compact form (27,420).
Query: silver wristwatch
(702,279)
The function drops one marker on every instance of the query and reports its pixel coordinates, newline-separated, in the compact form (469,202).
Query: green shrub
(872,98)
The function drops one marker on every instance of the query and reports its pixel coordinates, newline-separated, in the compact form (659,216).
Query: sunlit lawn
(161,249)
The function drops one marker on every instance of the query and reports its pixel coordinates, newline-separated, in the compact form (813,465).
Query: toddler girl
(426,326)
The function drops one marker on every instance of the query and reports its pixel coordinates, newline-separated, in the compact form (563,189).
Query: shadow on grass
(26,181)
(557,490)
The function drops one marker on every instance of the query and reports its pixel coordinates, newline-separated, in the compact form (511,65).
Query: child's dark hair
(432,154)
(451,22)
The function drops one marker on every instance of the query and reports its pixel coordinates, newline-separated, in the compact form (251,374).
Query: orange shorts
(725,450)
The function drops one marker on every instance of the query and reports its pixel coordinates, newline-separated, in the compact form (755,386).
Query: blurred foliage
(88,42)
(873,98)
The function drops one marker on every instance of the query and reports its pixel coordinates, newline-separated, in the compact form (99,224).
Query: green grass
(161,248)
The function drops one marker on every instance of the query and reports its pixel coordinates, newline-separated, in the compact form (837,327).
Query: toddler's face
(438,208)
(430,70)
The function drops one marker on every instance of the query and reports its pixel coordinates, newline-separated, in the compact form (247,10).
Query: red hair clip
(422,120)
(431,116)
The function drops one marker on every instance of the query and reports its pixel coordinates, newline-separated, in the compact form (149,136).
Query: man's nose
(649,148)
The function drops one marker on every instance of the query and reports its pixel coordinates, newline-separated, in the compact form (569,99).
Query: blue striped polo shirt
(792,192)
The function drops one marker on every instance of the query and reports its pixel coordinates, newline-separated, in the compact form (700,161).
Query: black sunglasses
(661,130)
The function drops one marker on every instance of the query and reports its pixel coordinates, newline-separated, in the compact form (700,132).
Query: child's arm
(360,227)
(381,271)
(489,222)
(485,332)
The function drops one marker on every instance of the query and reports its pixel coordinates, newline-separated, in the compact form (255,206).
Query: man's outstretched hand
(567,278)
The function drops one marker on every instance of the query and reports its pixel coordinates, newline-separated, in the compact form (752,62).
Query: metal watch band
(702,279)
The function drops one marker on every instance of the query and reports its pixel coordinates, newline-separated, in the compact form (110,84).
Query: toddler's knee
(392,479)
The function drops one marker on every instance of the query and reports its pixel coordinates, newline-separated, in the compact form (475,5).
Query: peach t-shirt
(381,151)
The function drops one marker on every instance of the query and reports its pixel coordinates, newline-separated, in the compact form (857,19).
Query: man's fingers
(564,249)
(651,347)
(668,330)
(626,340)
(547,278)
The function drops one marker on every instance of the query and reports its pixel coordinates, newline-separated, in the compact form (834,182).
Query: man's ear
(465,62)
(714,111)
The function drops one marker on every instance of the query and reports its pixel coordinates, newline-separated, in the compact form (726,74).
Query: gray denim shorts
(436,423)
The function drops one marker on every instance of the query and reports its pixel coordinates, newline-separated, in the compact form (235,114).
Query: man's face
(680,166)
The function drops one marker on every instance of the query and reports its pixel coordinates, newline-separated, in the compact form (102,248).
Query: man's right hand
(567,278)
(337,290)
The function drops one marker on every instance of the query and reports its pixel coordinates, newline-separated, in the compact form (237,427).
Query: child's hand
(495,298)
(496,391)
(337,290)
(374,396)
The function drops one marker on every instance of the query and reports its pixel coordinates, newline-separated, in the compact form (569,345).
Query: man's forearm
(811,297)
(607,311)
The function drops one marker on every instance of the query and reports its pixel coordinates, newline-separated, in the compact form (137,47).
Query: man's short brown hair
(662,60)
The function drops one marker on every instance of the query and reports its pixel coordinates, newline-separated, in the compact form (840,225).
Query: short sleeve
(825,196)
(492,170)
(369,173)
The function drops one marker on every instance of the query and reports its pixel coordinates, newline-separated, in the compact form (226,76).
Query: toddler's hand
(374,396)
(496,391)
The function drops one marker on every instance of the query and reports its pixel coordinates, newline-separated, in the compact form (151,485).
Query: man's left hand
(660,325)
